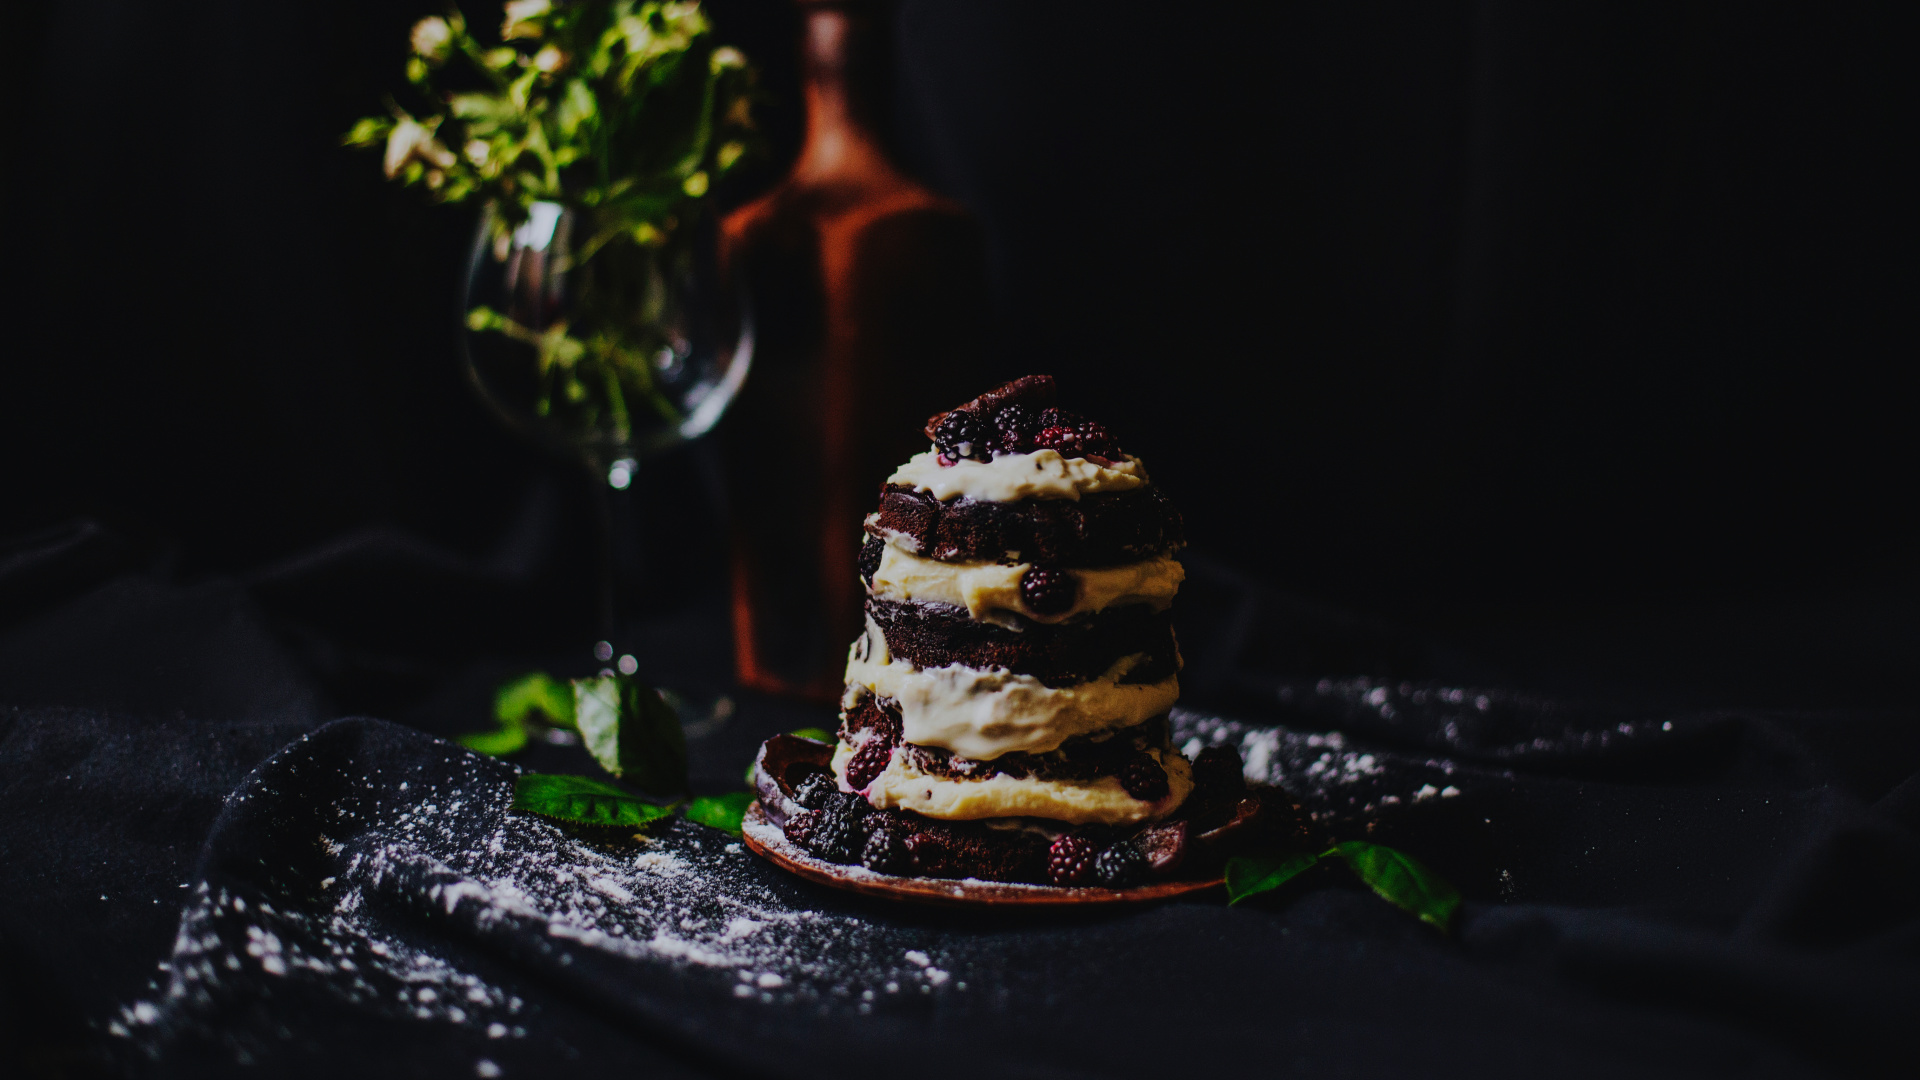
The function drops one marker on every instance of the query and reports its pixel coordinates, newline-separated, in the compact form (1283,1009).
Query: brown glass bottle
(869,303)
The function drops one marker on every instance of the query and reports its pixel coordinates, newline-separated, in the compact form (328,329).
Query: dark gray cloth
(1737,915)
(1649,892)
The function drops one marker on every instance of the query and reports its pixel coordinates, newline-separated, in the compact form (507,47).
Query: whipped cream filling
(1043,474)
(990,591)
(1077,802)
(983,713)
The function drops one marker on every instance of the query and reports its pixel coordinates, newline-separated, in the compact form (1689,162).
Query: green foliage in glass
(626,112)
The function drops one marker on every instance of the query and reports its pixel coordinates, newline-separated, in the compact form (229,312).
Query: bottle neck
(838,61)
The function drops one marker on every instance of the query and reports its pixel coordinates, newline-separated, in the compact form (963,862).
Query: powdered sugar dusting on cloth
(1352,748)
(686,908)
(1332,778)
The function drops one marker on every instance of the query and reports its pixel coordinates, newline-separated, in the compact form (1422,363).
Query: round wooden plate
(765,839)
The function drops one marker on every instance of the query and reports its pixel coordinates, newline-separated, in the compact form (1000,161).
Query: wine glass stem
(619,558)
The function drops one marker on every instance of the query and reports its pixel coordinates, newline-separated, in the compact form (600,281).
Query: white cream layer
(1043,474)
(990,591)
(1077,802)
(983,713)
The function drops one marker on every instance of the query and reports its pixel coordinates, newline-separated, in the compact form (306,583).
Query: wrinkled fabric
(1733,919)
(200,876)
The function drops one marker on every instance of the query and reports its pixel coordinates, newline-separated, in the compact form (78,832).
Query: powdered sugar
(689,900)
(1333,779)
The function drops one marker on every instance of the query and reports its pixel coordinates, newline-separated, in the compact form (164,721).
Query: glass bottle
(870,303)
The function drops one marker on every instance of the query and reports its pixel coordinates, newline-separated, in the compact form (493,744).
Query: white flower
(410,140)
(549,59)
(520,13)
(478,152)
(726,56)
(431,36)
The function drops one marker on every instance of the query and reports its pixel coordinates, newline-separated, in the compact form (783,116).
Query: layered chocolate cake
(1005,711)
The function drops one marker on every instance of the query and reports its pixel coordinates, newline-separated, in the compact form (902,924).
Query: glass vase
(605,348)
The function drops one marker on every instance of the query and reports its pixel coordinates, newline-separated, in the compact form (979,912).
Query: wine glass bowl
(604,350)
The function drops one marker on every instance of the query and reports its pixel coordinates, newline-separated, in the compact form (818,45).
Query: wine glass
(607,351)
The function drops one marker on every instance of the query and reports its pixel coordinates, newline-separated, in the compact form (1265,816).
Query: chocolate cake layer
(1096,530)
(1085,757)
(1063,654)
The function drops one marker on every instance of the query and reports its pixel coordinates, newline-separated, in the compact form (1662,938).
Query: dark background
(1564,336)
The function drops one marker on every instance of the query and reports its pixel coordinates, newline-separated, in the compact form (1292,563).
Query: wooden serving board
(766,840)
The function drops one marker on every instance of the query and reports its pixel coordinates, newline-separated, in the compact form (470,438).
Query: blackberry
(1144,779)
(886,850)
(939,849)
(870,553)
(1013,429)
(927,852)
(1070,859)
(961,435)
(817,791)
(833,834)
(1120,866)
(868,762)
(1217,773)
(1049,590)
(1083,438)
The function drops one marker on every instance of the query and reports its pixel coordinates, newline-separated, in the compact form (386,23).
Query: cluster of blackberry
(1087,856)
(841,827)
(1019,418)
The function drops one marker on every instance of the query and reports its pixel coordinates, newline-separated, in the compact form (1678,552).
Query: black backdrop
(1552,329)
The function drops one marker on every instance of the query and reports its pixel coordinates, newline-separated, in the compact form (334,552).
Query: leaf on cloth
(583,801)
(720,811)
(535,692)
(510,738)
(1397,877)
(1401,880)
(1251,875)
(632,732)
(514,704)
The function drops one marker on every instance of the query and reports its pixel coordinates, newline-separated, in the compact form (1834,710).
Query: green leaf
(1401,881)
(510,738)
(632,733)
(1251,875)
(720,811)
(535,692)
(583,801)
(369,131)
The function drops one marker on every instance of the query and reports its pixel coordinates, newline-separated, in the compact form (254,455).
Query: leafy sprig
(626,107)
(620,114)
(631,731)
